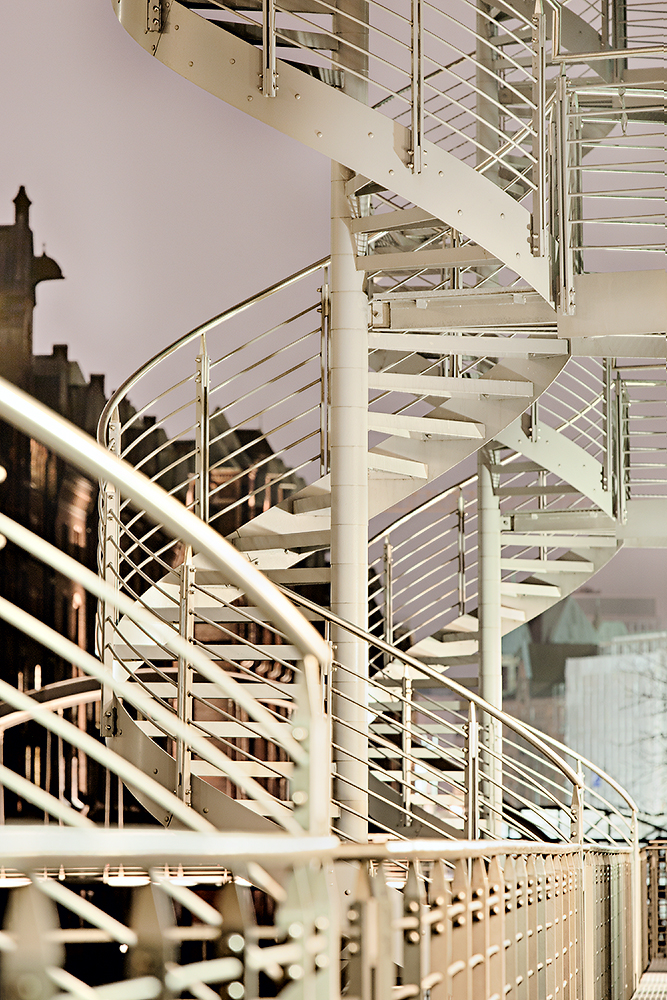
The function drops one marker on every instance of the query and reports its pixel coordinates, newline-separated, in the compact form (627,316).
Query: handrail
(507,720)
(198,331)
(77,447)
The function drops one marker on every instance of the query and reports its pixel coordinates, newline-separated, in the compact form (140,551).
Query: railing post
(269,75)
(539,224)
(111,572)
(566,291)
(406,744)
(577,821)
(184,703)
(388,593)
(490,650)
(417,87)
(325,383)
(203,378)
(461,545)
(607,460)
(620,450)
(472,775)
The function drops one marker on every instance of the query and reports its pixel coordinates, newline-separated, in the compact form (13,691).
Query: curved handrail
(210,324)
(507,720)
(38,421)
(539,741)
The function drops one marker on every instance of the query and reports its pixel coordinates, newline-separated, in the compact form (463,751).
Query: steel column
(490,651)
(349,514)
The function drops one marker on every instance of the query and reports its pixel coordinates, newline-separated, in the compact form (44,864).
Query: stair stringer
(344,130)
(224,812)
(494,414)
(561,456)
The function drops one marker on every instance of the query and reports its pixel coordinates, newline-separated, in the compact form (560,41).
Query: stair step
(512,468)
(473,346)
(215,612)
(404,468)
(285,38)
(529,590)
(301,575)
(295,6)
(432,757)
(386,221)
(449,387)
(260,692)
(557,520)
(303,505)
(296,540)
(547,566)
(559,541)
(255,769)
(535,491)
(231,652)
(399,425)
(221,730)
(466,256)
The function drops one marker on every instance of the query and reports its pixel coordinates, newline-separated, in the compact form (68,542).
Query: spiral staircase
(465,241)
(321,509)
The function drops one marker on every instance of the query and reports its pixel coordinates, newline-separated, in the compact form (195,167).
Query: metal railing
(471,920)
(134,623)
(653,877)
(432,763)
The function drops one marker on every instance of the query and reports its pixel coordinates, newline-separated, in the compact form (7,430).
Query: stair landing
(653,984)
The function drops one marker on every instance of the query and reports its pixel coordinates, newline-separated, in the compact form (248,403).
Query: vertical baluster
(111,568)
(413,902)
(541,923)
(567,922)
(387,557)
(325,394)
(479,915)
(184,702)
(472,774)
(460,524)
(407,775)
(523,926)
(268,75)
(417,86)
(550,935)
(497,930)
(459,970)
(151,918)
(202,455)
(511,939)
(31,919)
(440,899)
(539,234)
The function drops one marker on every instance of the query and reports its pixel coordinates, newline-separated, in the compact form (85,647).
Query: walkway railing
(473,920)
(138,624)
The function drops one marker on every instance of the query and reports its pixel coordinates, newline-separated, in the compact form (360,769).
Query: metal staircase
(419,443)
(463,218)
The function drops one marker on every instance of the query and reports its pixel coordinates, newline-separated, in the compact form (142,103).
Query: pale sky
(162,205)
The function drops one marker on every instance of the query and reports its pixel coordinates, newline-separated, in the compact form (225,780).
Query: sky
(162,205)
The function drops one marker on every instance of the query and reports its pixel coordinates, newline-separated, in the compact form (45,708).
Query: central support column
(490,637)
(349,515)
